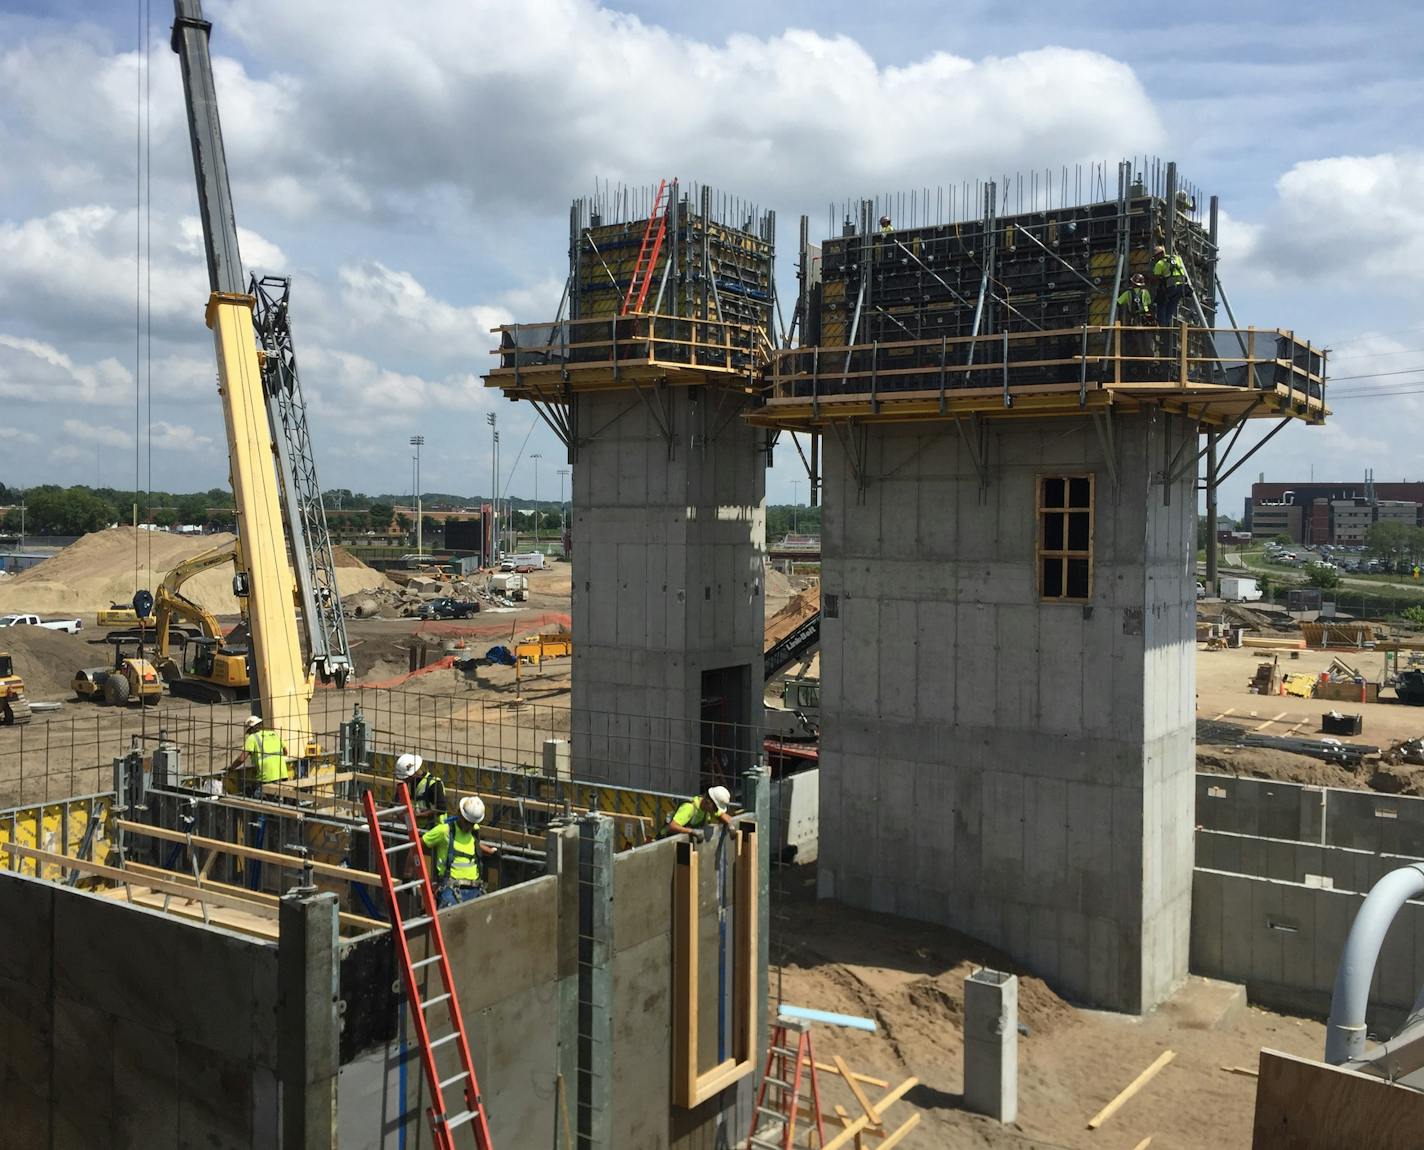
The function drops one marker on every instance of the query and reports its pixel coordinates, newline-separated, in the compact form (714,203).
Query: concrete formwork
(1018,769)
(123,1027)
(669,536)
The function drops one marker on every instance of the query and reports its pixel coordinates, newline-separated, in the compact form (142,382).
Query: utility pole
(795,502)
(494,488)
(417,442)
(536,457)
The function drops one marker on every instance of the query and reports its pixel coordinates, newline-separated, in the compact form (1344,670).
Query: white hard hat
(407,765)
(253,721)
(721,796)
(472,809)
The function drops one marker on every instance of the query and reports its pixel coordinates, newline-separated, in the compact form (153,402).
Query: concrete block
(991,1044)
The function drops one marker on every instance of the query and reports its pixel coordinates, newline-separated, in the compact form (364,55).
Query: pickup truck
(71,626)
(448,609)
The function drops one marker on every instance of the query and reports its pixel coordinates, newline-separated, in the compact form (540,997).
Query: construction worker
(1171,275)
(693,815)
(1134,310)
(886,229)
(262,747)
(427,791)
(456,851)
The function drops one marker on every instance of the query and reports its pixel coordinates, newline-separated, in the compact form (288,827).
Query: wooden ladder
(653,236)
(390,840)
(790,1072)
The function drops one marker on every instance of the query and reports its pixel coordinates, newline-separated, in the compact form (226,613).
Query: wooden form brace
(689,1086)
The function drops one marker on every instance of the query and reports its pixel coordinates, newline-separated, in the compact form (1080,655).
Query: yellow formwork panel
(58,827)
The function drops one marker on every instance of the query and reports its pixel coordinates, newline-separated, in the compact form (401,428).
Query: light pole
(563,522)
(417,442)
(536,457)
(494,488)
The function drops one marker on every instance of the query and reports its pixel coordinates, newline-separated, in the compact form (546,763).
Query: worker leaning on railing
(263,749)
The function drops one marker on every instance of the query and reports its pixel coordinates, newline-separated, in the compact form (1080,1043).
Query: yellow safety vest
(690,815)
(264,748)
(456,851)
(1138,301)
(1171,269)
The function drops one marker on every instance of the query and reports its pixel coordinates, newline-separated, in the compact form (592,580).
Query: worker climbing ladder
(795,1092)
(653,236)
(391,840)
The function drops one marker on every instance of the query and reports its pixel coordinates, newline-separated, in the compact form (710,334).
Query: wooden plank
(1130,1089)
(870,1111)
(1146,1142)
(247,922)
(1307,1105)
(256,896)
(897,1135)
(115,874)
(896,1094)
(842,1140)
(1244,1070)
(826,1068)
(293,862)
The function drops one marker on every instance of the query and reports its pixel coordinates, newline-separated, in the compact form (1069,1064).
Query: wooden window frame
(1064,553)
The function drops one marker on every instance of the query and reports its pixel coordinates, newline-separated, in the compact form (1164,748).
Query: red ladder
(774,1126)
(443,1124)
(653,236)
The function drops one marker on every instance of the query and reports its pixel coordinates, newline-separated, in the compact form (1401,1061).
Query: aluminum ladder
(652,245)
(389,841)
(790,1074)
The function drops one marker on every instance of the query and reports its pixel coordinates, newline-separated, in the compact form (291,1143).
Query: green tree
(1283,539)
(1390,541)
(380,515)
(1319,575)
(66,511)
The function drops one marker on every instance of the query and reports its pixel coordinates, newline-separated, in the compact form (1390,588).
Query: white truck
(523,561)
(1240,589)
(71,626)
(510,585)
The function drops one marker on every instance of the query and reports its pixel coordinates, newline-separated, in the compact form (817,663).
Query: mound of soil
(47,660)
(107,566)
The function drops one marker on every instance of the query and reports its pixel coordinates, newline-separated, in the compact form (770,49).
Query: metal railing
(1087,358)
(615,342)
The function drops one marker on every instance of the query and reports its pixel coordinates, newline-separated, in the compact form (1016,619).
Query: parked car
(72,626)
(447,608)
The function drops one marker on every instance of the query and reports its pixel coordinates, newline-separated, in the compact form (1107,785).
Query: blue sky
(413,172)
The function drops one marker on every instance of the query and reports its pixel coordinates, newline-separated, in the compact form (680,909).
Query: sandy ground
(909,978)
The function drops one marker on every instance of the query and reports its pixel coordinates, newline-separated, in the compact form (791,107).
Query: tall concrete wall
(668,544)
(1016,769)
(122,1027)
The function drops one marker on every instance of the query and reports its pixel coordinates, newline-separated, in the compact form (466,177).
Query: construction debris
(1132,1088)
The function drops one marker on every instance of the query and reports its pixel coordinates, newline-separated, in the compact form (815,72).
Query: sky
(410,166)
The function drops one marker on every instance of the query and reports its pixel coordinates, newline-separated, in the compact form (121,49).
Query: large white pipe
(1345,1031)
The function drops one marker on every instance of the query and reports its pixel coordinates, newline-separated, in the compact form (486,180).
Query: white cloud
(1337,217)
(97,433)
(517,104)
(373,294)
(36,372)
(178,437)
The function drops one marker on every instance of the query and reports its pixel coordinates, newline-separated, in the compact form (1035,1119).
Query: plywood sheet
(1306,1105)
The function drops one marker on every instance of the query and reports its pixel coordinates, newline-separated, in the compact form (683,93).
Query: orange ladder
(653,236)
(789,1071)
(389,841)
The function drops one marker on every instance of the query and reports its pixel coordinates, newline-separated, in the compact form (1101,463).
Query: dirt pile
(47,660)
(800,607)
(100,569)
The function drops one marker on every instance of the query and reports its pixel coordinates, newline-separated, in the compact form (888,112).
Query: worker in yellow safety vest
(427,791)
(262,747)
(456,852)
(693,815)
(1134,311)
(1171,275)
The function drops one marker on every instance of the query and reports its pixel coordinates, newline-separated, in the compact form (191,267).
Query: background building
(1335,513)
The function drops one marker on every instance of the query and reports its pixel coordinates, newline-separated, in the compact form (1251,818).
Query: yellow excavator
(14,706)
(200,662)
